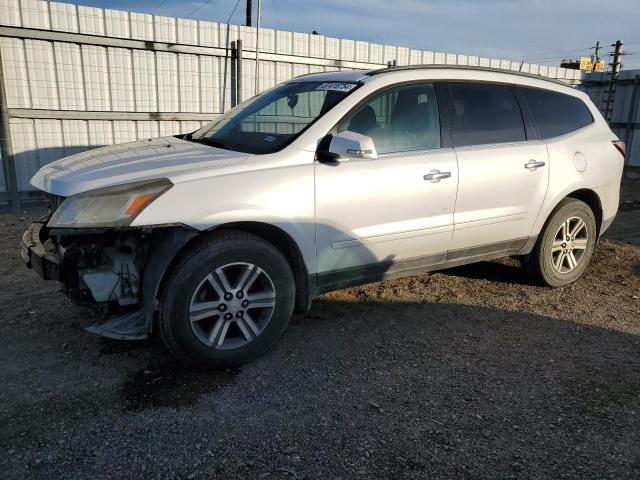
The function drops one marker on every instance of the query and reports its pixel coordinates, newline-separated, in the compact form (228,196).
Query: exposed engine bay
(116,272)
(103,270)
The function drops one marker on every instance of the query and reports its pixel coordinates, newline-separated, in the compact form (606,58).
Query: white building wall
(69,93)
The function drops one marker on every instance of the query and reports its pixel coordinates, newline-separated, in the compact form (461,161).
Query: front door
(391,214)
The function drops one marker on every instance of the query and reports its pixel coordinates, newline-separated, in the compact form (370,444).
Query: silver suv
(329,180)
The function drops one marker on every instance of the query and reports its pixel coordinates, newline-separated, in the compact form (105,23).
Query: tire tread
(209,242)
(534,265)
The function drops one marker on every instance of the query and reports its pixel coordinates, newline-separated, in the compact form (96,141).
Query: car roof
(364,75)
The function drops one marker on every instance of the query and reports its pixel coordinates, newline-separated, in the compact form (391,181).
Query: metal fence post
(6,149)
(629,133)
(239,98)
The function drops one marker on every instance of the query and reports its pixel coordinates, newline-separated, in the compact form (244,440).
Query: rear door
(503,169)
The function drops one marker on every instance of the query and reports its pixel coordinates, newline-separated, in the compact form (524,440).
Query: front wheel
(226,301)
(564,246)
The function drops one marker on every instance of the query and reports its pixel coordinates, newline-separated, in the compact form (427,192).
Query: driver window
(400,119)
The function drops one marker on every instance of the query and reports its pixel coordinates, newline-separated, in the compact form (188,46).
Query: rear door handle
(533,164)
(434,176)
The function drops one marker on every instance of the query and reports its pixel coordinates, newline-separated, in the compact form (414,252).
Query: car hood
(166,157)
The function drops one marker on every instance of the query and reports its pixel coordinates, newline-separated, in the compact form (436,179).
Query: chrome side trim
(391,237)
(490,221)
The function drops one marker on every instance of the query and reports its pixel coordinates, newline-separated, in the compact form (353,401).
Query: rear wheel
(226,301)
(564,246)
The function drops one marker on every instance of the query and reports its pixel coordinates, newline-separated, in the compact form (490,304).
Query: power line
(544,54)
(233,11)
(560,57)
(543,57)
(159,5)
(198,8)
(542,60)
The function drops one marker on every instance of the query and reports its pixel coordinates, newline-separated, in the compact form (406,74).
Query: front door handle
(434,176)
(533,164)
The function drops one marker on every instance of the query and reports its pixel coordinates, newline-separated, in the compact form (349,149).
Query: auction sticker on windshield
(337,86)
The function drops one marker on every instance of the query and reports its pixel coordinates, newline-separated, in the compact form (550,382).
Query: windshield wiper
(212,142)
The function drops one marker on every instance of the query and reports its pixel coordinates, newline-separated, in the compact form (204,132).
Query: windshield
(268,122)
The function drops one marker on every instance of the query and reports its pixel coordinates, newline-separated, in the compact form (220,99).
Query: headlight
(108,207)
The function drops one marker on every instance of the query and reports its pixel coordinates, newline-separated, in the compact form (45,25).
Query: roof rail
(315,73)
(464,67)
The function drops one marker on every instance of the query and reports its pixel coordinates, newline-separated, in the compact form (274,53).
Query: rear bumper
(44,262)
(609,195)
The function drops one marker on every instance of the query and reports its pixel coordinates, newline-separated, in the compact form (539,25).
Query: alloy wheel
(232,305)
(569,244)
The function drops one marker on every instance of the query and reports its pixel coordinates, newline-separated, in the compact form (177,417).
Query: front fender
(282,197)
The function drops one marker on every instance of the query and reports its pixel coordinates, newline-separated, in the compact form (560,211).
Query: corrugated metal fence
(80,77)
(625,115)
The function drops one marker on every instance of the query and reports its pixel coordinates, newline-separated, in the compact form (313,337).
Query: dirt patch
(468,373)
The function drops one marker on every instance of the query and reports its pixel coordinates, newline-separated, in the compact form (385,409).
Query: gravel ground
(466,373)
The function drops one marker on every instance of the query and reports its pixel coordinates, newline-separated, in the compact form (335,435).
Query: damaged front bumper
(45,263)
(115,271)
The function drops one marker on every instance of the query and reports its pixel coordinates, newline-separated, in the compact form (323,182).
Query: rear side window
(484,113)
(556,113)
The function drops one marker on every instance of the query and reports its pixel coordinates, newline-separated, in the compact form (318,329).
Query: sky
(535,31)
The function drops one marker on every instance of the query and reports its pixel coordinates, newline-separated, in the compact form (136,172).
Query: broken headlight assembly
(108,207)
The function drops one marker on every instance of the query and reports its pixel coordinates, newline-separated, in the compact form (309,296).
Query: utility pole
(596,58)
(249,12)
(615,70)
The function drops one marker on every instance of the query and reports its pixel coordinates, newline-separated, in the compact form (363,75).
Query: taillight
(619,144)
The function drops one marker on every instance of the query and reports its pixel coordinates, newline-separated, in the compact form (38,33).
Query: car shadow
(504,270)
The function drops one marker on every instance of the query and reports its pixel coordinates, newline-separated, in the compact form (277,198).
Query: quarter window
(484,114)
(556,113)
(400,119)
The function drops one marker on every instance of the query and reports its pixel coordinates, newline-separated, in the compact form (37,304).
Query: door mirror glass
(348,145)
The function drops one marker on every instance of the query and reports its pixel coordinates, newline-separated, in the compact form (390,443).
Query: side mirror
(347,145)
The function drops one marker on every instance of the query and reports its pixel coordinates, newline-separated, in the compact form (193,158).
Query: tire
(545,264)
(191,319)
